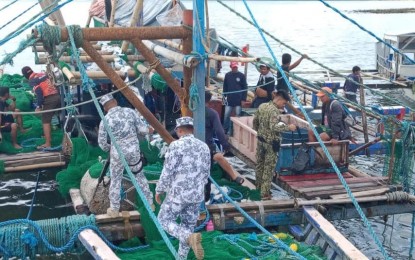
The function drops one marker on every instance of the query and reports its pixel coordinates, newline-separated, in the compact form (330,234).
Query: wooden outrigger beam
(107,58)
(95,246)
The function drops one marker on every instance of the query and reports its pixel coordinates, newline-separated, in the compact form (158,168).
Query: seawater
(308,26)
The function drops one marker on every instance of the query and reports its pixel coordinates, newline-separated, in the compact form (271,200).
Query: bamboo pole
(102,75)
(171,44)
(379,77)
(364,146)
(179,58)
(133,22)
(155,63)
(229,58)
(246,64)
(300,203)
(112,17)
(69,75)
(127,92)
(364,118)
(56,16)
(33,166)
(107,58)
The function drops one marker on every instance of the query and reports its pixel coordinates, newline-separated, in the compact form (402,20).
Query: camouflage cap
(182,121)
(105,98)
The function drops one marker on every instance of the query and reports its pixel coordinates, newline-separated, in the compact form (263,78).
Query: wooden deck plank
(309,177)
(304,184)
(76,198)
(95,246)
(335,239)
(20,156)
(325,194)
(334,187)
(365,193)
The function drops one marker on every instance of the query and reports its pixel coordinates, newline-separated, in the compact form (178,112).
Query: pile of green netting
(20,89)
(218,245)
(84,156)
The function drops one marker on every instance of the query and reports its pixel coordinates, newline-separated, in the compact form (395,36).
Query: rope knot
(29,238)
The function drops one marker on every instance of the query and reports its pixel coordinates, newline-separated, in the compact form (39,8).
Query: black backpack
(301,161)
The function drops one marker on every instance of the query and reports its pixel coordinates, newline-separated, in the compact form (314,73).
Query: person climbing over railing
(269,128)
(183,178)
(7,121)
(125,124)
(266,85)
(48,98)
(350,87)
(333,127)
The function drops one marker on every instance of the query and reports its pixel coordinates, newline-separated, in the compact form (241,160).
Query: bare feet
(16,146)
(195,242)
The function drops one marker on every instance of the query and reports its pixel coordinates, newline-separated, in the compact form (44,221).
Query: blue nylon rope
(329,157)
(88,82)
(365,30)
(28,237)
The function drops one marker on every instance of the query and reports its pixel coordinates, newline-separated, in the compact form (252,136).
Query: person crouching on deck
(268,125)
(183,178)
(48,98)
(125,125)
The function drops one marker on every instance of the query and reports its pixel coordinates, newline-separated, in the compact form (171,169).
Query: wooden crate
(244,138)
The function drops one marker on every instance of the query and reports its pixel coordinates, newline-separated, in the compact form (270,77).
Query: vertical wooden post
(187,72)
(246,63)
(200,70)
(392,155)
(112,17)
(364,118)
(127,92)
(137,16)
(56,16)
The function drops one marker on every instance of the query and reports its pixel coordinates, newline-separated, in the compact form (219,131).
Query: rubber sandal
(239,180)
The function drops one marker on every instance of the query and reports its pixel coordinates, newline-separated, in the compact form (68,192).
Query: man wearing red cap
(234,92)
(333,127)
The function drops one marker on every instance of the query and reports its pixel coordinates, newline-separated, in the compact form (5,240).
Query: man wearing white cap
(185,172)
(234,92)
(125,125)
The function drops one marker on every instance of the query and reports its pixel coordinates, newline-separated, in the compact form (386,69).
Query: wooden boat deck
(32,160)
(326,185)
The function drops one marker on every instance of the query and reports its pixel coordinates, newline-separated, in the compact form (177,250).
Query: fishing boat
(394,65)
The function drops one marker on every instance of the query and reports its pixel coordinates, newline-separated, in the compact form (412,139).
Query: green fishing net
(83,157)
(218,245)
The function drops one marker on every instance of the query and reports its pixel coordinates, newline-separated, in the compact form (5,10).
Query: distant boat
(393,65)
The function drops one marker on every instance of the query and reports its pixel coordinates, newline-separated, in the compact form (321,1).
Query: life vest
(41,80)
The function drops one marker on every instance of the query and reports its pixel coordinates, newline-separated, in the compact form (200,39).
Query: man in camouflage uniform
(268,125)
(125,125)
(185,173)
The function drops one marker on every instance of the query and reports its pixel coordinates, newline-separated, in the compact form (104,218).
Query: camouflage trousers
(117,169)
(188,214)
(266,159)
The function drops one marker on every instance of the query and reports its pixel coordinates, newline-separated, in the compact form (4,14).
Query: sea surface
(307,26)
